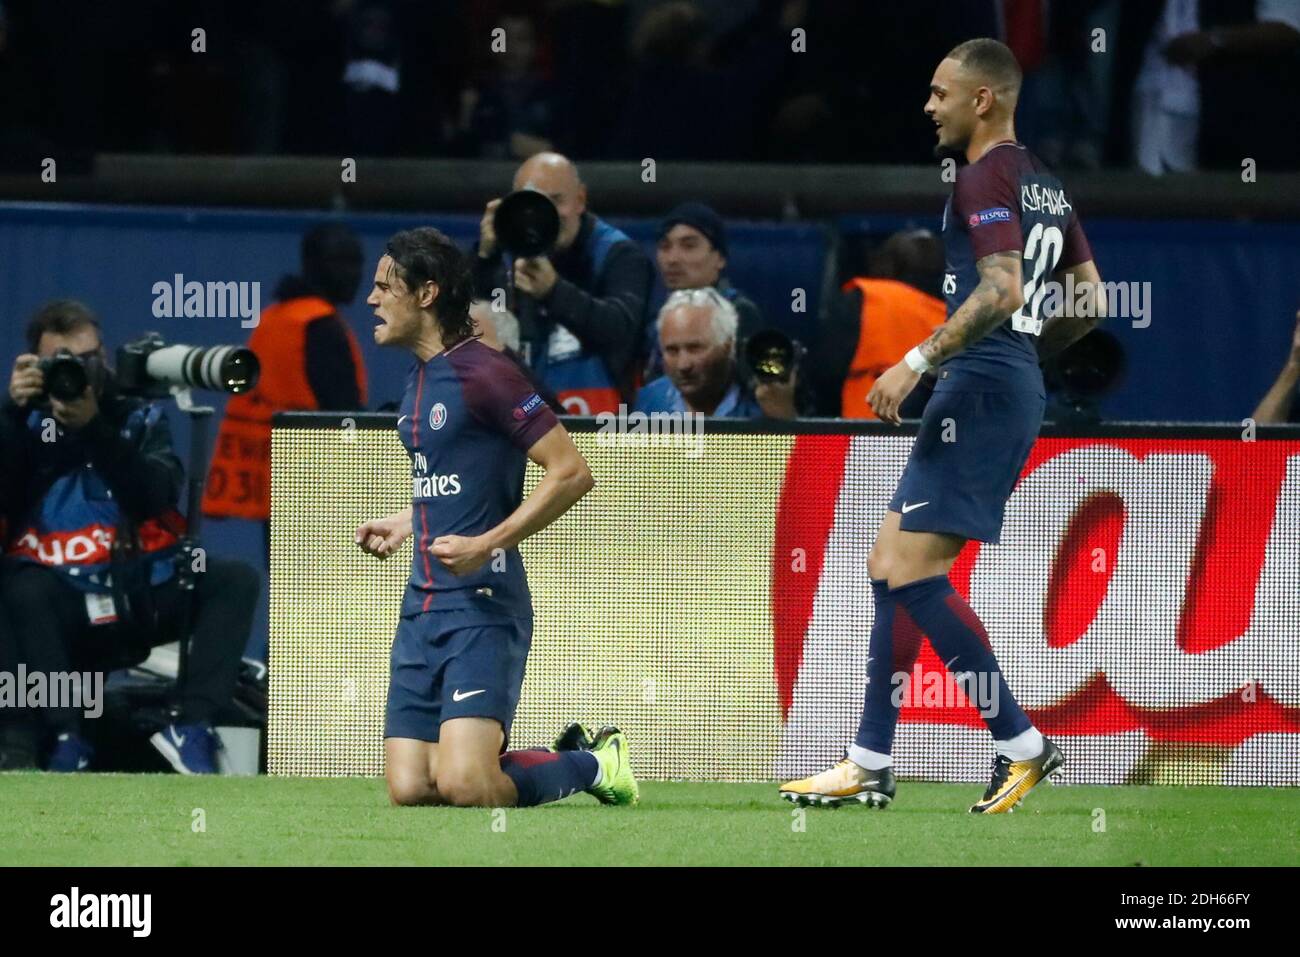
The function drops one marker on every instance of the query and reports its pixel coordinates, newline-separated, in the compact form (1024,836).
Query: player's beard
(943,151)
(950,152)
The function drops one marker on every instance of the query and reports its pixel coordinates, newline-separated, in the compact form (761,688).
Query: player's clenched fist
(459,554)
(382,537)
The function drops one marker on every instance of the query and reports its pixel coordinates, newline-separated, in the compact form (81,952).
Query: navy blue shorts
(455,664)
(961,486)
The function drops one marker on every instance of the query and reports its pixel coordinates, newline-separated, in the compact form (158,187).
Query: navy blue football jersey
(1007,200)
(467,420)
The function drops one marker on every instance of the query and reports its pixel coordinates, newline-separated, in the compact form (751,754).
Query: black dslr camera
(67,375)
(772,356)
(527,225)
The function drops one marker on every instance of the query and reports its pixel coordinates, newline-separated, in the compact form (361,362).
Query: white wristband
(917,362)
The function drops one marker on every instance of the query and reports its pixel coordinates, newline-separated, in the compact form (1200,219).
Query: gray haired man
(697,335)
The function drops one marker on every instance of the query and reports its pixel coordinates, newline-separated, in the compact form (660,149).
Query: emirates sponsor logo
(433,486)
(424,485)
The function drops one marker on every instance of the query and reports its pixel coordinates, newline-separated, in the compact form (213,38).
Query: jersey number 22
(1042,252)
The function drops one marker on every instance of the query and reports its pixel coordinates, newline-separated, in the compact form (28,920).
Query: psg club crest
(437,416)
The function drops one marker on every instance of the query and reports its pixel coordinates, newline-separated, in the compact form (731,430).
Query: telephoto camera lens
(219,368)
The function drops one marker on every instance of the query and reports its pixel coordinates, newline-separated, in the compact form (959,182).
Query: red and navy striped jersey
(1007,200)
(467,420)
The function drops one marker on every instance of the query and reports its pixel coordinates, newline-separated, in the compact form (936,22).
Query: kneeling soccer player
(467,420)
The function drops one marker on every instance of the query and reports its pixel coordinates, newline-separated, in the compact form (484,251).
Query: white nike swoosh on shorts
(457,696)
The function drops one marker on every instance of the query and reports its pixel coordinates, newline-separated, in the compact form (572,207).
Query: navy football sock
(542,776)
(895,643)
(958,635)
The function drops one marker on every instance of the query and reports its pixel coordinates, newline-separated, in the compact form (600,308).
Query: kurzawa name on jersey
(1035,198)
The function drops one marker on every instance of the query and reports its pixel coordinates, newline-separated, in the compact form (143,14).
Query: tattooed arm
(1000,293)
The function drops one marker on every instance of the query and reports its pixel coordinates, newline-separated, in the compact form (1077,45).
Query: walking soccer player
(1008,227)
(468,418)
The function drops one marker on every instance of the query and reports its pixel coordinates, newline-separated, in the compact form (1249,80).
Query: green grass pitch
(109,819)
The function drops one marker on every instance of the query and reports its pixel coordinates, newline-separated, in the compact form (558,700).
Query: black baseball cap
(697,216)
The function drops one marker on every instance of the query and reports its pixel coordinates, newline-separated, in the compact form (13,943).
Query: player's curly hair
(425,255)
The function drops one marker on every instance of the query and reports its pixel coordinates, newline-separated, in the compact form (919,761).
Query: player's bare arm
(1062,330)
(1276,404)
(382,537)
(566,478)
(1000,293)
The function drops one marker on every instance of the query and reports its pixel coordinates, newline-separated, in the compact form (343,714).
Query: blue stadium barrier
(1224,294)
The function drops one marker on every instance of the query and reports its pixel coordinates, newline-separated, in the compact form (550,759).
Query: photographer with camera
(697,336)
(580,287)
(90,577)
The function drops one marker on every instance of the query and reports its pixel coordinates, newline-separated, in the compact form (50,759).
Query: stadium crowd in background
(624,79)
(691,252)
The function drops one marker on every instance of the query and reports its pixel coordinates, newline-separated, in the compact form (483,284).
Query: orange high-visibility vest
(895,317)
(239,481)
